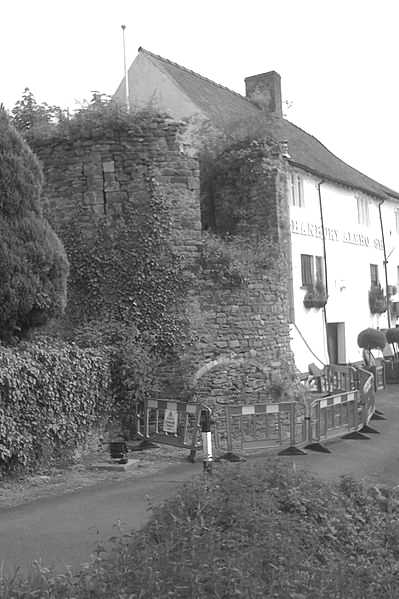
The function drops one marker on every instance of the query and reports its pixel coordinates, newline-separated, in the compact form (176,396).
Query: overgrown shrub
(33,264)
(133,365)
(265,532)
(51,396)
(371,339)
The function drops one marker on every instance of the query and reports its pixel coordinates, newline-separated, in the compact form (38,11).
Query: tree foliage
(33,119)
(33,264)
(371,339)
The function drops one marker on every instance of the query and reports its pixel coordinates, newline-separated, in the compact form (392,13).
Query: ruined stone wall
(101,177)
(248,321)
(237,305)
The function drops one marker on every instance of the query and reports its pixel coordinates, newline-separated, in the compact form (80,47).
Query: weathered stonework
(250,321)
(240,335)
(100,177)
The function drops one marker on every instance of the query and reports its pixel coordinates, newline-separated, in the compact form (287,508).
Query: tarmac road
(65,530)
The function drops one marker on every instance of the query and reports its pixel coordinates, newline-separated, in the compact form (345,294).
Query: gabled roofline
(142,50)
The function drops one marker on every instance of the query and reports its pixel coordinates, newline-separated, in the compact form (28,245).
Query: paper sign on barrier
(170,421)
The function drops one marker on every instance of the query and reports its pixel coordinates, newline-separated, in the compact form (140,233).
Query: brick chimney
(264,90)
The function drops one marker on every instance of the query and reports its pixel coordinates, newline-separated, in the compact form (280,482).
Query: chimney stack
(264,90)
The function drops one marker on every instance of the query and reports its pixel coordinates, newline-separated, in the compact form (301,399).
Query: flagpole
(125,70)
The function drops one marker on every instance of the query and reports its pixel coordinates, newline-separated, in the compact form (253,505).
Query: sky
(338,59)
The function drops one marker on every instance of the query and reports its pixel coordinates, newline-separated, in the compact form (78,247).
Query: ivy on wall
(126,270)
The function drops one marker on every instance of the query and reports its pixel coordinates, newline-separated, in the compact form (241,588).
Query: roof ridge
(175,64)
(353,168)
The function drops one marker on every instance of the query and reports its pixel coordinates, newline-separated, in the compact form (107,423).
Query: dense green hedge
(51,396)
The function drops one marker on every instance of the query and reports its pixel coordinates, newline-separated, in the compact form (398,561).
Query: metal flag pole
(125,70)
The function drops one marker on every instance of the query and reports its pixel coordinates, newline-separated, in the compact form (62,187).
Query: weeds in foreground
(246,532)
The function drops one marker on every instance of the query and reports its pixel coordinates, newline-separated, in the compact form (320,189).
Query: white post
(125,71)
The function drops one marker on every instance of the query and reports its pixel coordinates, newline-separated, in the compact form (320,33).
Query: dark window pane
(307,270)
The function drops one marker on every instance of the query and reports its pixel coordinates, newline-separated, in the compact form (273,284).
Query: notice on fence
(170,421)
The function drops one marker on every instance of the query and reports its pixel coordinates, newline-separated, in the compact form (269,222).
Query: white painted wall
(150,87)
(348,259)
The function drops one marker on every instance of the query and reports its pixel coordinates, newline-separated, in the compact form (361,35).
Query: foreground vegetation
(249,532)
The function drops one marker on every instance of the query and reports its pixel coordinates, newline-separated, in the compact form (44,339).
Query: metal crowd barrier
(172,422)
(261,426)
(287,426)
(333,378)
(334,416)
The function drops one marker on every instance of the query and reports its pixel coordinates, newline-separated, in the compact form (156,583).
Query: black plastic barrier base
(292,451)
(145,444)
(376,416)
(356,435)
(231,457)
(317,447)
(369,429)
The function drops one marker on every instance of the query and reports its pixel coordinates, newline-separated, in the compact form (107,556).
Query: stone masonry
(240,348)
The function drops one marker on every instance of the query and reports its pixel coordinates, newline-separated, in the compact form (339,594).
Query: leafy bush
(133,367)
(33,264)
(35,120)
(392,335)
(371,339)
(265,532)
(377,300)
(51,396)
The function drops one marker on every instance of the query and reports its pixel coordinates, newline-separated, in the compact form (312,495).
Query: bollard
(206,439)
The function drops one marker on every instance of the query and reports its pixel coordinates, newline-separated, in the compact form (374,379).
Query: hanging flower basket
(316,297)
(377,300)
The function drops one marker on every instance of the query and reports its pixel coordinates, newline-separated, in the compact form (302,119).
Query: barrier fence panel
(172,422)
(367,393)
(335,378)
(332,416)
(261,426)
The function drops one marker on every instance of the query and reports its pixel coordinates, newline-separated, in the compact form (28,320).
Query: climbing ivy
(127,270)
(52,395)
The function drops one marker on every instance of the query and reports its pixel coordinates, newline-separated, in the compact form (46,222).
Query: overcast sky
(338,59)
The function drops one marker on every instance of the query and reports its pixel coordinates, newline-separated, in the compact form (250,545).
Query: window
(312,268)
(363,217)
(296,190)
(397,221)
(374,275)
(319,270)
(307,270)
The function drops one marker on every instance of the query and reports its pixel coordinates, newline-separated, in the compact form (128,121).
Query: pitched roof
(225,107)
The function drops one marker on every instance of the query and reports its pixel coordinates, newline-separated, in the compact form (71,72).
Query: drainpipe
(325,264)
(385,261)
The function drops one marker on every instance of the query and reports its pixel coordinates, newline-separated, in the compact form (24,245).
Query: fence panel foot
(317,447)
(369,429)
(376,416)
(192,455)
(356,435)
(292,451)
(231,457)
(145,444)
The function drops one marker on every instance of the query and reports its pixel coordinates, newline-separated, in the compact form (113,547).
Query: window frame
(363,211)
(312,271)
(296,190)
(374,275)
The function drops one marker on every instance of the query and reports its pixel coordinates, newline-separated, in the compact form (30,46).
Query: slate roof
(225,107)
